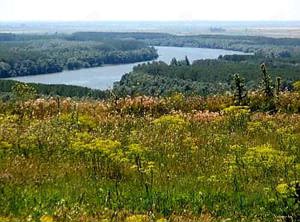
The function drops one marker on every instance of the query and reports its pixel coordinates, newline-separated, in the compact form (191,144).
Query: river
(104,77)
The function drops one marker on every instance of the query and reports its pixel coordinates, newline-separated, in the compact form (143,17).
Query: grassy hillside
(149,159)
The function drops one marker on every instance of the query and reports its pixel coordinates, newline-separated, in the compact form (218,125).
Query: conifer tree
(268,90)
(174,62)
(240,93)
(266,82)
(187,61)
(278,85)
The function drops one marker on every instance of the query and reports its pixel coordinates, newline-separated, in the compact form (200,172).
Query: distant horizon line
(135,21)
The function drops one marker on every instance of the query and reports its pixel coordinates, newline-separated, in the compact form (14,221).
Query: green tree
(174,62)
(296,86)
(267,86)
(187,61)
(266,82)
(240,93)
(22,91)
(278,86)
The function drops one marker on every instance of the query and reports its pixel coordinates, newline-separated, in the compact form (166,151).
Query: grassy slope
(145,156)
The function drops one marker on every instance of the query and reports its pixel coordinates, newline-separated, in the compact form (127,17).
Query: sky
(149,10)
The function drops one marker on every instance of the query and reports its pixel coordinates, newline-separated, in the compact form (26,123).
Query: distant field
(270,29)
(283,32)
(274,32)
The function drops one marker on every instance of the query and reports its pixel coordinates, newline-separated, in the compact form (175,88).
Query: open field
(283,32)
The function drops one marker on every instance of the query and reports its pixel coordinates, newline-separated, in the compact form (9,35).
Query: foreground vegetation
(149,159)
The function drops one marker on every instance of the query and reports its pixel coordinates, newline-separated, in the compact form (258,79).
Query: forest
(22,55)
(276,47)
(60,90)
(203,77)
(27,54)
(30,54)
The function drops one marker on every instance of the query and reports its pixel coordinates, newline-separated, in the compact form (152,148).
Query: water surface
(104,77)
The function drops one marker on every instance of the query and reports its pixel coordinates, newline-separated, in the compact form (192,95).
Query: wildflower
(137,218)
(286,190)
(86,122)
(237,110)
(162,220)
(5,145)
(169,120)
(267,156)
(235,148)
(135,149)
(46,218)
(205,116)
(4,219)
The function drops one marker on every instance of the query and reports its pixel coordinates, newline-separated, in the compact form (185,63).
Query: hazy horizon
(151,21)
(141,10)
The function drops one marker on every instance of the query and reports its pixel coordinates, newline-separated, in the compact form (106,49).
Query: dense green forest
(203,77)
(277,47)
(27,54)
(6,89)
(22,55)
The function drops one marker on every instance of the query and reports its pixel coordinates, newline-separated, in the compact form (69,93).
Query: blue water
(104,77)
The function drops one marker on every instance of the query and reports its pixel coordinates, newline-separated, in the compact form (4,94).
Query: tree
(187,61)
(4,69)
(240,93)
(23,92)
(278,86)
(296,86)
(269,104)
(174,62)
(266,82)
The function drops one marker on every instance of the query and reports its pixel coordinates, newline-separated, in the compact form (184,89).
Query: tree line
(20,56)
(7,88)
(202,77)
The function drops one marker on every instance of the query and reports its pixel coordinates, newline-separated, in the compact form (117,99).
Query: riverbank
(104,77)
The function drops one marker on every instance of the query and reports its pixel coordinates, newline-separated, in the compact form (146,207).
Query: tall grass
(148,159)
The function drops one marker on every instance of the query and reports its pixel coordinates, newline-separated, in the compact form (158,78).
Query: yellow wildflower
(46,218)
(137,218)
(282,188)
